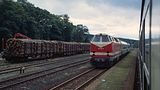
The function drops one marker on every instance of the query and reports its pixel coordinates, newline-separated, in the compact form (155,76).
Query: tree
(81,33)
(4,34)
(23,17)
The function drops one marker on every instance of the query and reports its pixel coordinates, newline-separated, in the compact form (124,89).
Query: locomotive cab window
(112,39)
(109,38)
(116,39)
(96,38)
(105,38)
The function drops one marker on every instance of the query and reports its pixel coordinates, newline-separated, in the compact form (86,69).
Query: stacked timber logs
(26,49)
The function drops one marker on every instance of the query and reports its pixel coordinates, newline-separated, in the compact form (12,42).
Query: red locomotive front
(104,50)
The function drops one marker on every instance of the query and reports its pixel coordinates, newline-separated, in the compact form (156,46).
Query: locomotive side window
(110,39)
(116,39)
(113,39)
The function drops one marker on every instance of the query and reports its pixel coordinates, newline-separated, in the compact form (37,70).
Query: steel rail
(13,69)
(78,76)
(70,80)
(66,66)
(90,80)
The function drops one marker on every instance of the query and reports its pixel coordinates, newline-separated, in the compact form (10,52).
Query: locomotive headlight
(93,53)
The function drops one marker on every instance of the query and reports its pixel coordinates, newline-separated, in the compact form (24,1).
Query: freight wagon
(29,49)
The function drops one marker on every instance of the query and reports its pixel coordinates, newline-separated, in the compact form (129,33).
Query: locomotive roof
(103,34)
(111,38)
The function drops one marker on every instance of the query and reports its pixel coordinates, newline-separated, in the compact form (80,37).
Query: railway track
(8,83)
(30,65)
(80,81)
(12,69)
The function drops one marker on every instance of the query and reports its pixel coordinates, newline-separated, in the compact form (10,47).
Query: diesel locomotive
(106,50)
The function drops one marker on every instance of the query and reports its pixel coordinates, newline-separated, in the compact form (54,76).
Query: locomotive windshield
(100,38)
(105,38)
(96,38)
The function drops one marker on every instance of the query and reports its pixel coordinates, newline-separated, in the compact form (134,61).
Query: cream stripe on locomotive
(104,53)
(101,44)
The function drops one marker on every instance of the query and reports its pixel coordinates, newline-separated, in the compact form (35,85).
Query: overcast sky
(119,18)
